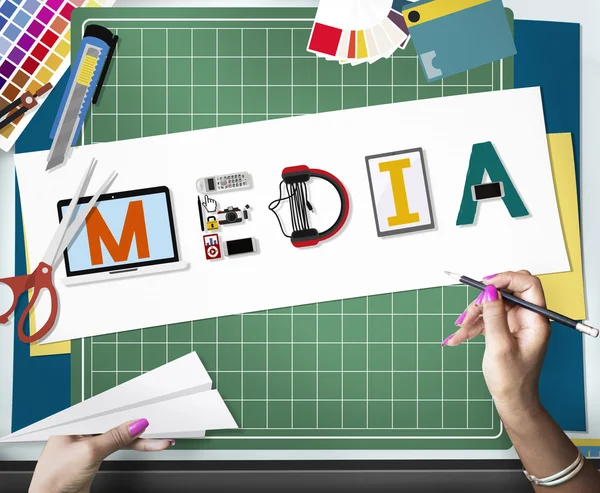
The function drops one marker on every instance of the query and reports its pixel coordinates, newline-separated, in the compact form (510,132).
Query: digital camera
(232,215)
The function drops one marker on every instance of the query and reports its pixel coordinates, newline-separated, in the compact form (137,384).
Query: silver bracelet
(561,477)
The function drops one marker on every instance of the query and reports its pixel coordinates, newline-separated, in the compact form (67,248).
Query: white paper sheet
(183,376)
(174,436)
(354,263)
(202,410)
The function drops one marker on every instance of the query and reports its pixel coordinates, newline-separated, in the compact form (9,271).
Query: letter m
(134,226)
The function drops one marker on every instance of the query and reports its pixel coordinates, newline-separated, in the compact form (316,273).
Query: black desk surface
(500,476)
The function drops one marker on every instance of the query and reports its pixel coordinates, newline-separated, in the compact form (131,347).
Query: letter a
(484,158)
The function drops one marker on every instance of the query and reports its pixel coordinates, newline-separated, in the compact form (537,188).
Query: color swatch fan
(35,49)
(358,31)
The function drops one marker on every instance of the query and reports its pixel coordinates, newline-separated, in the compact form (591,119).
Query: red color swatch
(325,39)
(30,65)
(40,52)
(49,38)
(352,45)
(66,11)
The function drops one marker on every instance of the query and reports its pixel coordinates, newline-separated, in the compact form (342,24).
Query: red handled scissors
(41,278)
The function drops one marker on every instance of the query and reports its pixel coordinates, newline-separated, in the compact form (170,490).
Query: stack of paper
(176,399)
(358,31)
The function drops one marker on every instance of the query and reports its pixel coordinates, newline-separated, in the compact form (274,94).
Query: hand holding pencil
(522,323)
(521,301)
(516,339)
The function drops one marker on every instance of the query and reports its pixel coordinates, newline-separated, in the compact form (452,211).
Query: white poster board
(355,262)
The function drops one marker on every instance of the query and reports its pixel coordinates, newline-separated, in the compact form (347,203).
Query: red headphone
(295,179)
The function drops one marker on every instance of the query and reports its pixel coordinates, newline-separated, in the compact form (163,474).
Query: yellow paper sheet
(36,349)
(564,291)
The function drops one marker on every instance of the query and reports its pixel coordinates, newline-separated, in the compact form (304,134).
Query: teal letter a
(484,158)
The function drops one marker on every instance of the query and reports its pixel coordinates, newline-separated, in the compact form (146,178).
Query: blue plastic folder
(453,36)
(541,62)
(556,67)
(35,398)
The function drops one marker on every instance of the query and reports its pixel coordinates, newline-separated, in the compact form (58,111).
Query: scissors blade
(54,246)
(77,223)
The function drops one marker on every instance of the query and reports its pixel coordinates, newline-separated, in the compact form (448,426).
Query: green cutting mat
(366,373)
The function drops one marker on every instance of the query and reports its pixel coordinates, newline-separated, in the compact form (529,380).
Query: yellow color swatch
(53,62)
(564,290)
(63,49)
(361,45)
(33,86)
(6,131)
(43,75)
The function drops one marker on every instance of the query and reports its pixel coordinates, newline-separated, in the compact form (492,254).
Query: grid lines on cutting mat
(359,369)
(175,80)
(361,364)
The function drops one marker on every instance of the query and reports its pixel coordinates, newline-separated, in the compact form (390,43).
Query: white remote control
(224,183)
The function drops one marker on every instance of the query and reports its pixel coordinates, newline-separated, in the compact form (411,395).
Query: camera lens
(231,217)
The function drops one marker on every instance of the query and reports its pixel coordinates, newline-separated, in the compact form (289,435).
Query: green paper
(359,374)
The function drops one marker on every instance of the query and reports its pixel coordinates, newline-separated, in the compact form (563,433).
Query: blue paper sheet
(41,385)
(550,57)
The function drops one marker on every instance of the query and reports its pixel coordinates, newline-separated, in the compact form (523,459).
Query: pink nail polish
(479,298)
(138,427)
(172,443)
(490,294)
(460,319)
(487,278)
(445,341)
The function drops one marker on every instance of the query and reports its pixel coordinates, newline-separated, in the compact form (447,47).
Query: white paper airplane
(175,398)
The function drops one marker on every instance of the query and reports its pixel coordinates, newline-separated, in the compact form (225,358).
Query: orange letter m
(135,225)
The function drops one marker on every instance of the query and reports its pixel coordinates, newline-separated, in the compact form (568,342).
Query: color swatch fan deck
(35,47)
(358,31)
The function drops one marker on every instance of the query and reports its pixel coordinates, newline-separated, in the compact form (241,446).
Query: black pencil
(200,213)
(557,317)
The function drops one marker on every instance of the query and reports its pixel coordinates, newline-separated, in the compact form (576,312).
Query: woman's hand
(516,340)
(68,464)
